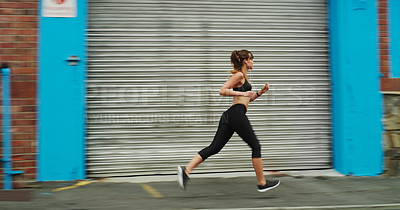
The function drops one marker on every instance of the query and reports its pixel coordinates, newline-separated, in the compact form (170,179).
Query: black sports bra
(245,87)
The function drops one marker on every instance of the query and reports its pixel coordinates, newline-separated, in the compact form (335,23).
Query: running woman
(234,120)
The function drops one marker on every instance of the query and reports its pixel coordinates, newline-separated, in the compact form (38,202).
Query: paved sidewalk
(294,192)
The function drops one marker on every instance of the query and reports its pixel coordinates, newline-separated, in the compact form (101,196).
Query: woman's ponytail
(236,61)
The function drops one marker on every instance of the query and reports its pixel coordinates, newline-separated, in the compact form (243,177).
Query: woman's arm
(226,88)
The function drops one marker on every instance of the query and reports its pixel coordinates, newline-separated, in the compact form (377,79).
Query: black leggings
(233,120)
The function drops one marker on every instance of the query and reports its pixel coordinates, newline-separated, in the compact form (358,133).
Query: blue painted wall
(62,97)
(357,103)
(394,33)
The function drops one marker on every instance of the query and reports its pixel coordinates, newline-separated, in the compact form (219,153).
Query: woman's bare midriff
(241,100)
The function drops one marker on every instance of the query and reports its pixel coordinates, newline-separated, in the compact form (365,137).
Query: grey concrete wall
(392,133)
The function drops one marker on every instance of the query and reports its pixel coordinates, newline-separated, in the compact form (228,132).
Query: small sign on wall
(59,8)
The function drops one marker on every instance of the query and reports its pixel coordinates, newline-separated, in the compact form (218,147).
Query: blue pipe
(7,170)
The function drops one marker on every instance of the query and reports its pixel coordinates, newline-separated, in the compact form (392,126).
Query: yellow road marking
(153,192)
(73,186)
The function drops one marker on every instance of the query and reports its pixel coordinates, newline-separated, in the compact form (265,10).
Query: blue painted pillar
(356,101)
(61,131)
(6,127)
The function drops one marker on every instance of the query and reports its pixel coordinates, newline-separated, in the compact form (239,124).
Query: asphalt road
(300,192)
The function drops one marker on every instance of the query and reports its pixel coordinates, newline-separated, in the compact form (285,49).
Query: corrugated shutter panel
(155,69)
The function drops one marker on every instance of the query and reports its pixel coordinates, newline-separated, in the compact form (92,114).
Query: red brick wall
(18,48)
(387,83)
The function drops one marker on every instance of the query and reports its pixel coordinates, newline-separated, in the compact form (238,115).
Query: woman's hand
(252,95)
(265,88)
(245,94)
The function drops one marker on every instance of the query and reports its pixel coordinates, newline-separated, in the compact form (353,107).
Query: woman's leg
(196,160)
(222,136)
(224,133)
(258,168)
(244,129)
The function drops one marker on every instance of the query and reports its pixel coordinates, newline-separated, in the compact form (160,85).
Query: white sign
(59,8)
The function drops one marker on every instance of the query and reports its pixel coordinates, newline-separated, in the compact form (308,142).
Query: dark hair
(238,56)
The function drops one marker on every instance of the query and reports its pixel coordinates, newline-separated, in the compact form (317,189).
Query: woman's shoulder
(239,75)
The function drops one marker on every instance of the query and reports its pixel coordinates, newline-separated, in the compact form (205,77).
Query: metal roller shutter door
(155,69)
